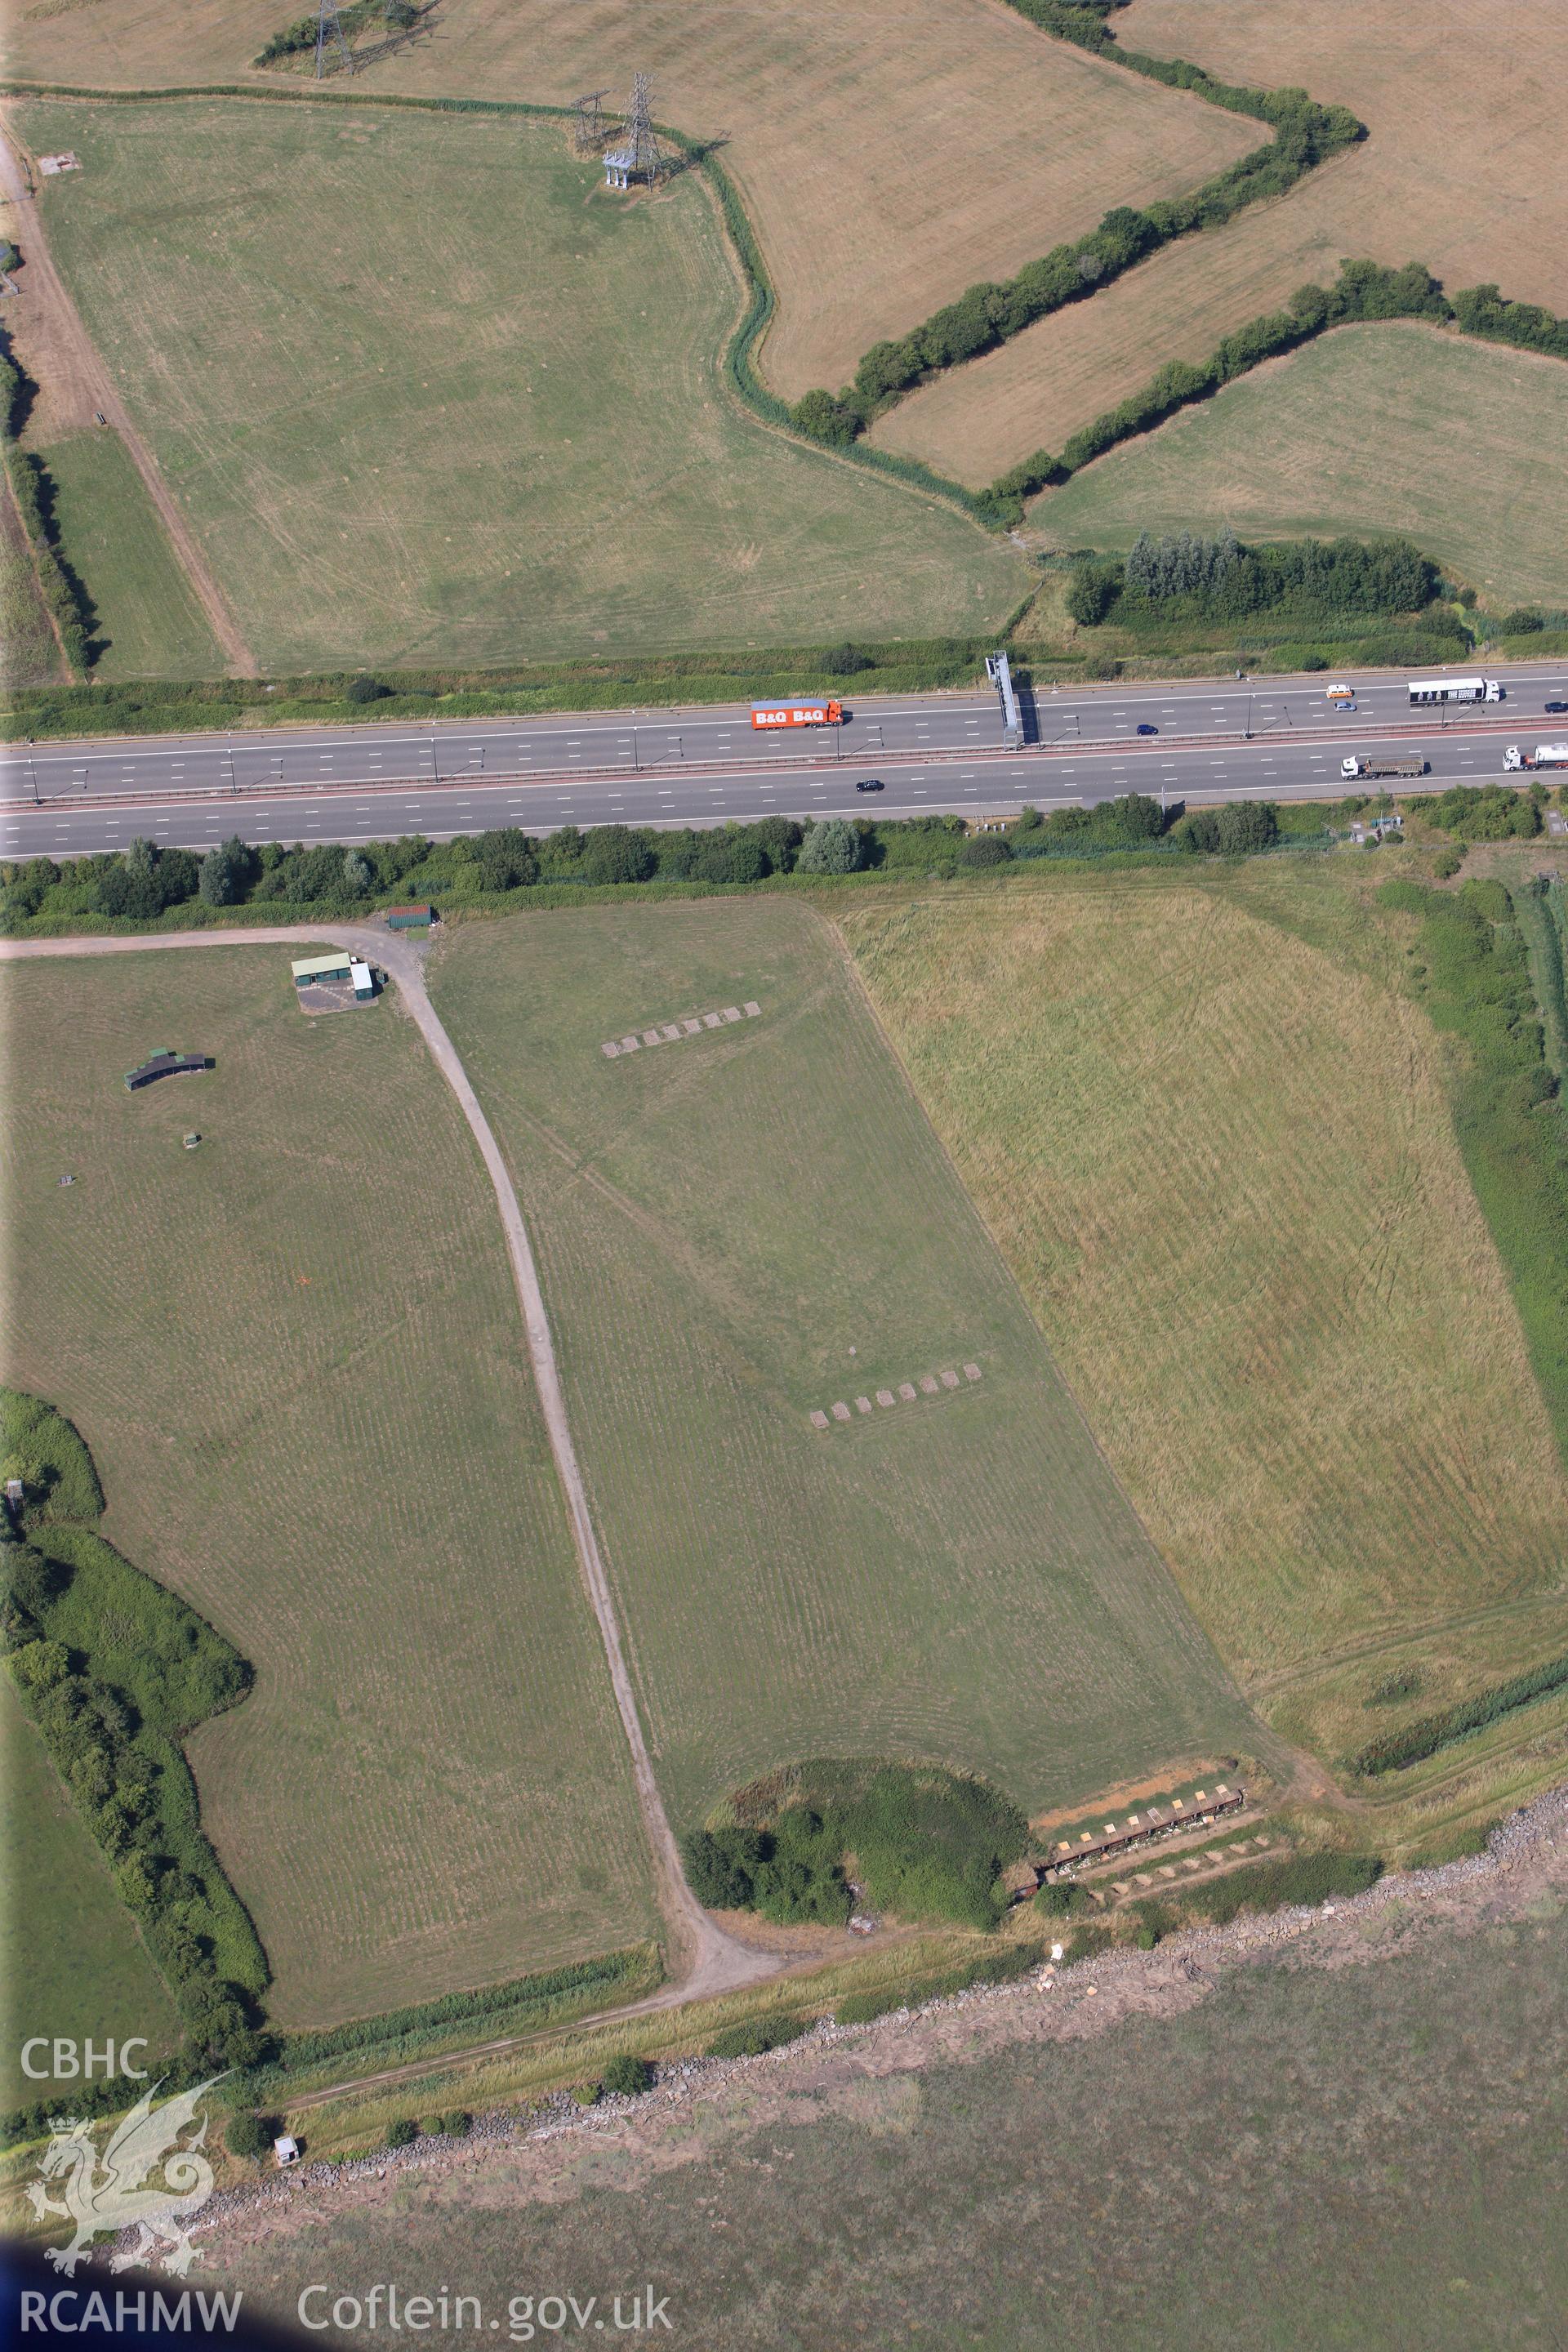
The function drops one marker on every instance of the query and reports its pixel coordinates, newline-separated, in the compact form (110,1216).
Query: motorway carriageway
(937,753)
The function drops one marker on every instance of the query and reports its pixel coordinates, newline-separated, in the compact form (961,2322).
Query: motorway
(1278,740)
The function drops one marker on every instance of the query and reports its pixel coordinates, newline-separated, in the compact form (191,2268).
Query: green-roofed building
(310,970)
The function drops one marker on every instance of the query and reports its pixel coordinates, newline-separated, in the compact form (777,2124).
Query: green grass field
(1213,1138)
(146,619)
(297,1357)
(71,1961)
(480,418)
(1398,427)
(746,1226)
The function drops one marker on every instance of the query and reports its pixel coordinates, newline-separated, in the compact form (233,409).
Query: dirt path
(704,1961)
(76,387)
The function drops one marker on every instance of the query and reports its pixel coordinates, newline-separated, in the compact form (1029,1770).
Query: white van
(1342,694)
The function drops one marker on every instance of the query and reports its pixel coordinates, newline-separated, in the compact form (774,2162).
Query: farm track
(706,1962)
(1352,1653)
(74,355)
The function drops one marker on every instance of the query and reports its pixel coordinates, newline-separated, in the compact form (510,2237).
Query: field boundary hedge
(1477,988)
(1365,293)
(424,2030)
(991,313)
(65,600)
(1395,1751)
(144,891)
(731,674)
(1365,290)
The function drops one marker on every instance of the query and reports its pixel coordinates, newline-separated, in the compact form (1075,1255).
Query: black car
(1551,708)
(1144,728)
(869,784)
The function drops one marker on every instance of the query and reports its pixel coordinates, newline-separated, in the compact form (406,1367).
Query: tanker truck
(1516,761)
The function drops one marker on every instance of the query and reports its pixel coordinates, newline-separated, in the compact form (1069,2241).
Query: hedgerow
(517,2006)
(65,599)
(1477,987)
(1482,311)
(142,888)
(1363,289)
(991,313)
(1396,1749)
(1306,134)
(397,16)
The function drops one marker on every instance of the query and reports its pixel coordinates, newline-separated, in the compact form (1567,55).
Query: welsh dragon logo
(122,2192)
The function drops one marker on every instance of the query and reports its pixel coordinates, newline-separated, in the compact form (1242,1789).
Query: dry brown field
(889,154)
(1466,169)
(1211,1135)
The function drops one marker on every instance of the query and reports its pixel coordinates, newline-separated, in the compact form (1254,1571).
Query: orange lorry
(766,715)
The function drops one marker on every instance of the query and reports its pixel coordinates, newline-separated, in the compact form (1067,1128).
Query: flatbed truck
(1370,765)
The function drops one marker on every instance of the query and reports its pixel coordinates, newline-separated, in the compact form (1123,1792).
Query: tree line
(142,882)
(1364,290)
(992,312)
(32,488)
(113,1731)
(1183,575)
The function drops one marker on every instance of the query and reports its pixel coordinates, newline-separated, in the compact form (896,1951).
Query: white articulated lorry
(1426,690)
(1516,760)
